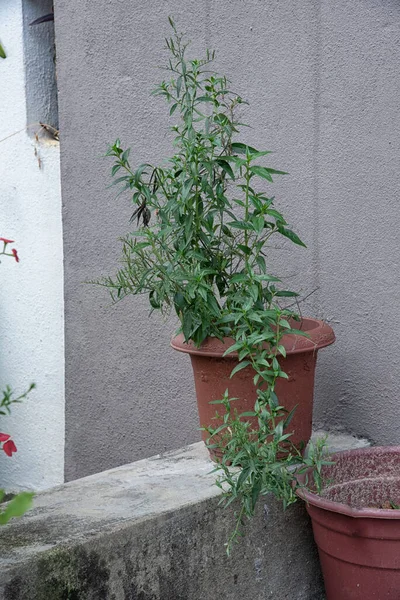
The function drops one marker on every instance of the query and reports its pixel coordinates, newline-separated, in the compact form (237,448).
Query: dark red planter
(358,542)
(212,376)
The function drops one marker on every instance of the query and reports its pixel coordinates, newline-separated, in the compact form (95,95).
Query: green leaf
(262,172)
(239,148)
(238,278)
(245,249)
(255,492)
(225,166)
(178,85)
(233,348)
(286,294)
(288,233)
(275,172)
(289,417)
(204,99)
(243,476)
(125,155)
(285,323)
(282,350)
(187,186)
(241,225)
(260,260)
(258,223)
(16,507)
(255,155)
(153,299)
(266,277)
(2,53)
(253,291)
(242,365)
(179,301)
(115,169)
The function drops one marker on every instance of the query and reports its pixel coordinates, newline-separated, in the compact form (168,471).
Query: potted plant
(354,506)
(200,249)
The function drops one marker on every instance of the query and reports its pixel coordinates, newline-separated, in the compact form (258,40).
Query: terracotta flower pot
(358,541)
(212,376)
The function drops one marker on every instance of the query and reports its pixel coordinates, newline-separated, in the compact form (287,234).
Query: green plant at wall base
(200,249)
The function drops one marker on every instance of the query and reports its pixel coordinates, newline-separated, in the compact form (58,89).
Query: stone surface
(337,442)
(152,530)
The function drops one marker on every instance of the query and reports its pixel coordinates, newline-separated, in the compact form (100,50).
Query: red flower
(9,447)
(15,254)
(6,241)
(4,437)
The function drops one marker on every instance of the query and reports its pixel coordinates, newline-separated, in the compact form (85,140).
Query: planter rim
(320,336)
(345,509)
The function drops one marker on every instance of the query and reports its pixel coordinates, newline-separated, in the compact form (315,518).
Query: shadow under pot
(356,523)
(212,373)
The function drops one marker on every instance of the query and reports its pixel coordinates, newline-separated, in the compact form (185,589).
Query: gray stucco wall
(323,85)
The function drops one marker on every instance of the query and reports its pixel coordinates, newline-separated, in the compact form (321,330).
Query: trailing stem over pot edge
(199,248)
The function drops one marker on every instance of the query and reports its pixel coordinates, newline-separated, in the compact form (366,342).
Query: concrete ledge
(152,530)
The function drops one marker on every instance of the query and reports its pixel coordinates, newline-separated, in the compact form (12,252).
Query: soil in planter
(387,505)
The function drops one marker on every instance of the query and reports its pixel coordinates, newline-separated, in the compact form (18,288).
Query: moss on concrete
(64,574)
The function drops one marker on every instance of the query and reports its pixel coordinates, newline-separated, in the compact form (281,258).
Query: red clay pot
(358,542)
(212,376)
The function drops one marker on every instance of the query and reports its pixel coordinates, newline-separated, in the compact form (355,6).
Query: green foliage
(9,398)
(2,52)
(16,507)
(203,226)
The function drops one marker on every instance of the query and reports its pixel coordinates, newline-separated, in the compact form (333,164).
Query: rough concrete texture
(322,81)
(336,442)
(152,530)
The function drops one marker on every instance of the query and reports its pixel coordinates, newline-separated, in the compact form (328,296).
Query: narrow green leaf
(255,492)
(288,233)
(243,476)
(266,277)
(239,148)
(125,155)
(282,350)
(2,52)
(241,225)
(261,172)
(286,294)
(289,417)
(187,186)
(242,365)
(178,85)
(225,166)
(245,249)
(204,99)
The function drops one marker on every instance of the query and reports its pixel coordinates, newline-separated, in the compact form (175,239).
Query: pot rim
(320,335)
(345,509)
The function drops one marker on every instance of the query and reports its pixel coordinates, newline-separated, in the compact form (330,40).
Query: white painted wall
(31,292)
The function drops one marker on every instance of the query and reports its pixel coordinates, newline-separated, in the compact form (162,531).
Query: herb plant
(200,249)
